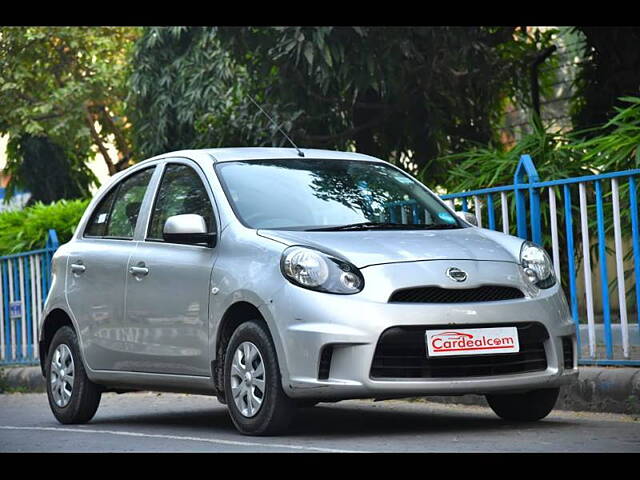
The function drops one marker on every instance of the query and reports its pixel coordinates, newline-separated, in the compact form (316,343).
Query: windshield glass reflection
(308,194)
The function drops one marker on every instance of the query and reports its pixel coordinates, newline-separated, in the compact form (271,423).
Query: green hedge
(24,230)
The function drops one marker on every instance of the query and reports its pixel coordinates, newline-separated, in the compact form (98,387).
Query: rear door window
(117,214)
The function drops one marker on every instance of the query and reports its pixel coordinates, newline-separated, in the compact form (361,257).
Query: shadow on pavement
(339,420)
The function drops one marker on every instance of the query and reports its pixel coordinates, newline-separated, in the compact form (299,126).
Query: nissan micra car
(276,279)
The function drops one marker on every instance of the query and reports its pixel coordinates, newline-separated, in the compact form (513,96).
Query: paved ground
(152,422)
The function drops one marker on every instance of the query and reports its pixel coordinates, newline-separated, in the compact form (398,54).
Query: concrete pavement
(154,422)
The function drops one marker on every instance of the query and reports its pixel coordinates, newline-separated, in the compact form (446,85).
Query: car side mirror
(189,229)
(468,217)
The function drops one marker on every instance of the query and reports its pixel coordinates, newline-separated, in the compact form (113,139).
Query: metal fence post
(52,239)
(635,238)
(527,167)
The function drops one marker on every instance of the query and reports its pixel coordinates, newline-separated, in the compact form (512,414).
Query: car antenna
(277,126)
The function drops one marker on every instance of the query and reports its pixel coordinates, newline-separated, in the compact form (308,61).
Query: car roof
(262,153)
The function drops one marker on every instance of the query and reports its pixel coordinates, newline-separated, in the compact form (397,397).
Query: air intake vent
(486,293)
(567,352)
(325,362)
(401,353)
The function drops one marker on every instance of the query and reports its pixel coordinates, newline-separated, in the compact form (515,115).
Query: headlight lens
(537,265)
(316,270)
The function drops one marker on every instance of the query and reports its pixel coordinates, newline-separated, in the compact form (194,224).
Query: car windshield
(318,194)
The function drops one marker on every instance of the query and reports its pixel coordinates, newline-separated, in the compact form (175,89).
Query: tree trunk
(99,143)
(365,142)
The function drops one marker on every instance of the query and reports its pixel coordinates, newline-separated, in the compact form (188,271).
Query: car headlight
(316,270)
(537,265)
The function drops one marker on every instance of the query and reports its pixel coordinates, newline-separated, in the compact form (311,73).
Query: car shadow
(336,420)
(343,420)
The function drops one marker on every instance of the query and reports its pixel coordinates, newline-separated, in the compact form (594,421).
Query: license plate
(473,341)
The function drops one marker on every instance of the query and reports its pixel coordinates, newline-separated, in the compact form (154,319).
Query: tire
(524,407)
(78,405)
(276,410)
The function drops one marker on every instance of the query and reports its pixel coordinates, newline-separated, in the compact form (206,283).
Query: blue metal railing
(25,281)
(531,221)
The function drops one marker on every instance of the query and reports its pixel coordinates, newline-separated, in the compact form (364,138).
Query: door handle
(141,271)
(78,268)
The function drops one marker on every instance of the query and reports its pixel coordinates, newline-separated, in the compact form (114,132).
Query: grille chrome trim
(484,293)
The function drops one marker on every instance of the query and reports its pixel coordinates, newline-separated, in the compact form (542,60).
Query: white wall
(3,150)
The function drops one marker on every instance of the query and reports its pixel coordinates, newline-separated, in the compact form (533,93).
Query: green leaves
(308,52)
(389,91)
(26,229)
(51,77)
(613,146)
(186,92)
(46,170)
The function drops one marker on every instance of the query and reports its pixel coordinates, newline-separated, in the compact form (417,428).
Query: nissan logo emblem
(456,274)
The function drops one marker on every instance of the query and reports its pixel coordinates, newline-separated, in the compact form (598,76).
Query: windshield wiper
(352,226)
(382,226)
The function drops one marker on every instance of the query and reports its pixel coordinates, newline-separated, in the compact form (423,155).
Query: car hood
(373,247)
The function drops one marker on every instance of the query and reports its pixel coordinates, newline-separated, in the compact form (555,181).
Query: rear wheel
(524,407)
(252,383)
(73,398)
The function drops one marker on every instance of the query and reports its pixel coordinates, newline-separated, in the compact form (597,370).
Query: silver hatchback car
(276,279)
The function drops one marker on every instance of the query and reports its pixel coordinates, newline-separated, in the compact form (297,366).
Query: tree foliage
(45,170)
(26,229)
(609,71)
(410,92)
(608,147)
(185,92)
(67,83)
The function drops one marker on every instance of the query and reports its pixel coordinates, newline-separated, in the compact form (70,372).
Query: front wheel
(252,383)
(524,407)
(73,398)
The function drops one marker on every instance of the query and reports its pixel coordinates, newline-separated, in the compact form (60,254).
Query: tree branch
(120,140)
(98,141)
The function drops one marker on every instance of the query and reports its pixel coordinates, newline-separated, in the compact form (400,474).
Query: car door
(97,271)
(168,284)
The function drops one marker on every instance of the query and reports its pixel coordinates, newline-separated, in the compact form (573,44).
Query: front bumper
(308,321)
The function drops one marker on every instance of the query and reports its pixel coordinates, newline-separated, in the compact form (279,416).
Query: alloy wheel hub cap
(62,375)
(247,379)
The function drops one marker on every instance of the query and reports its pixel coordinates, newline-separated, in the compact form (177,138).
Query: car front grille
(402,353)
(485,293)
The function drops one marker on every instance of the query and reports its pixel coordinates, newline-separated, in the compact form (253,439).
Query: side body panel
(95,298)
(167,310)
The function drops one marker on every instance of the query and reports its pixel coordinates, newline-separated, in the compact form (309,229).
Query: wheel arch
(54,321)
(235,315)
